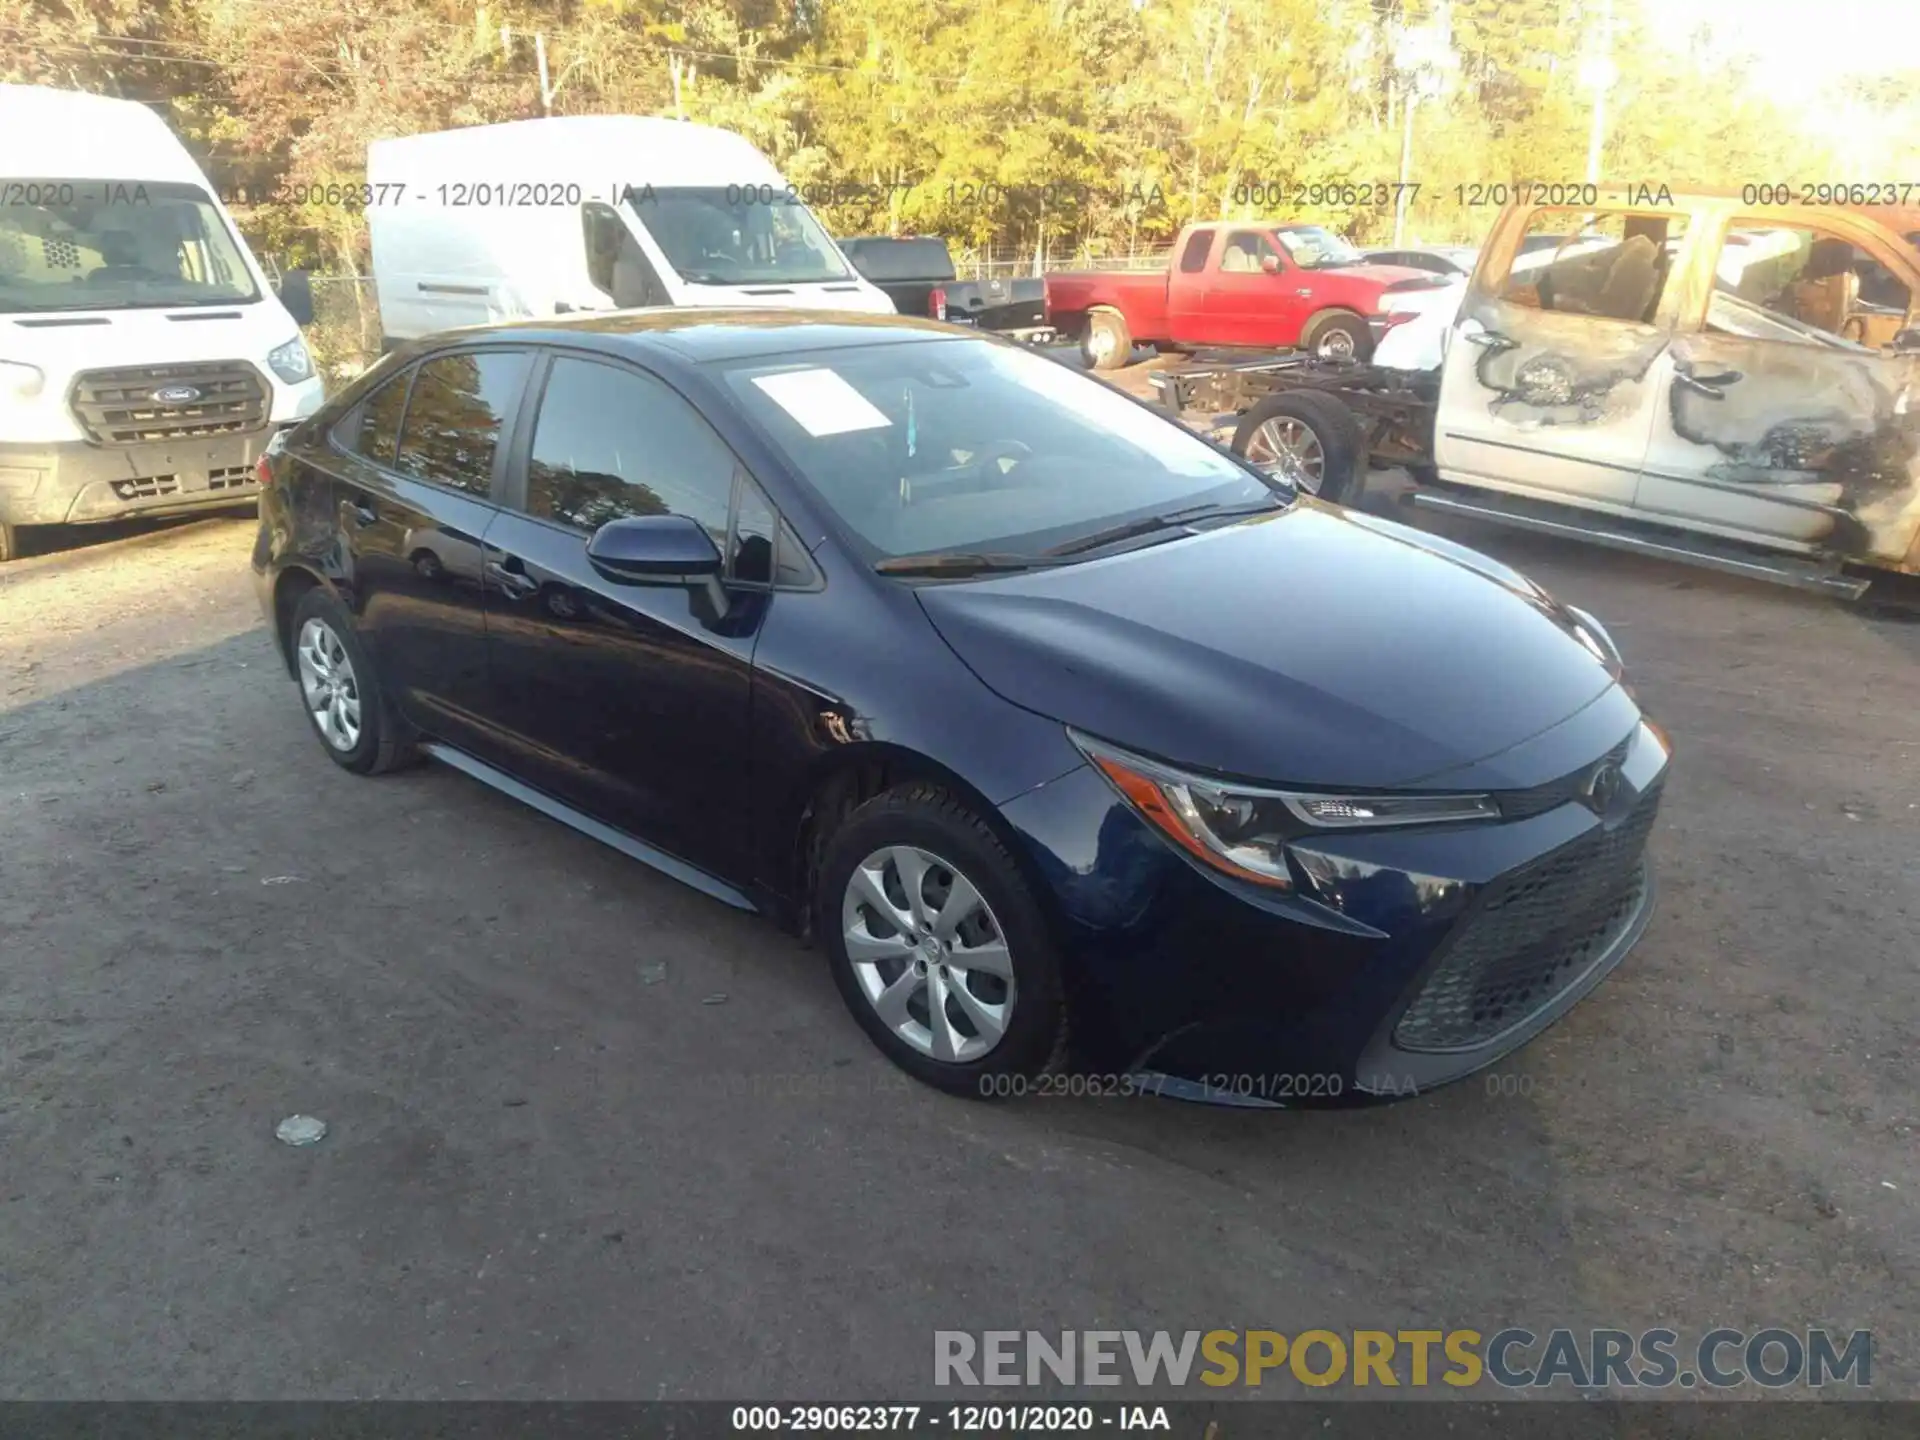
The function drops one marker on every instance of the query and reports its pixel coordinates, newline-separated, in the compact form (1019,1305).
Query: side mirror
(1270,264)
(654,550)
(296,294)
(1907,342)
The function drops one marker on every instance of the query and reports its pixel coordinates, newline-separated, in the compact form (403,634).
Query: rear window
(883,258)
(1194,256)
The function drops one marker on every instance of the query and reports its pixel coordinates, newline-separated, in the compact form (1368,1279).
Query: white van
(144,359)
(591,212)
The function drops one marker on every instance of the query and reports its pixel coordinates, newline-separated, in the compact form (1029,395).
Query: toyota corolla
(1042,715)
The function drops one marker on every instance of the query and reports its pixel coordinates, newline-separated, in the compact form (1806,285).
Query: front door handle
(513,577)
(1490,339)
(1711,386)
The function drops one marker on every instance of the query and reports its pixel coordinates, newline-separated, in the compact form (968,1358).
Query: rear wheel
(1108,344)
(1312,439)
(1337,335)
(340,692)
(937,944)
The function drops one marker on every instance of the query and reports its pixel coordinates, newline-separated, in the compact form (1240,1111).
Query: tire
(1107,343)
(360,731)
(921,823)
(1337,335)
(9,542)
(1308,420)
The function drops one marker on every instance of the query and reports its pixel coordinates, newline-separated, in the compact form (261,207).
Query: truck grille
(118,407)
(1534,934)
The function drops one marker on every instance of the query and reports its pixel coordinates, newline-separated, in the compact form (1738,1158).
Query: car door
(1188,322)
(1253,295)
(1788,417)
(415,488)
(1554,375)
(626,701)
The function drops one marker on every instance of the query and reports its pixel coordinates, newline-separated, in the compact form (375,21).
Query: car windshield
(113,245)
(1313,247)
(737,235)
(937,445)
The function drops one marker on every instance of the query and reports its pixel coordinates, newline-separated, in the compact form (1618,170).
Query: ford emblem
(175,395)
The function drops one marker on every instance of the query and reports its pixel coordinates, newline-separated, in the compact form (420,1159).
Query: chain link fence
(344,337)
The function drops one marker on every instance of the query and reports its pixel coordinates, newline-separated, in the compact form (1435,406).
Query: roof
(718,334)
(72,135)
(599,150)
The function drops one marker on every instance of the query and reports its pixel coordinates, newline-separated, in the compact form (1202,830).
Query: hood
(1309,647)
(64,341)
(1381,275)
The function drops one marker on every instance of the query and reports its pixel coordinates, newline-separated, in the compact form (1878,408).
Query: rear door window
(456,415)
(377,433)
(1193,255)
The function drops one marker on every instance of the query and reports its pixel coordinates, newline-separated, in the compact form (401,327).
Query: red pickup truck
(1233,283)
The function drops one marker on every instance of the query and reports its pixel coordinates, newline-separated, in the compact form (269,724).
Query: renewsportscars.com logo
(1512,1358)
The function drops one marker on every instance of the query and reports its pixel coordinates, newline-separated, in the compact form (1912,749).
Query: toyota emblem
(1603,787)
(175,395)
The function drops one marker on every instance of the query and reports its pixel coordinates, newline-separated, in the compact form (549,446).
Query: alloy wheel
(928,953)
(331,689)
(1294,448)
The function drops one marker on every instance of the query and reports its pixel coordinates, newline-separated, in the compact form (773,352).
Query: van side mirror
(654,550)
(296,294)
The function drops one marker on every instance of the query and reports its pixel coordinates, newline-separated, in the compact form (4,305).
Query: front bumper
(71,483)
(1404,961)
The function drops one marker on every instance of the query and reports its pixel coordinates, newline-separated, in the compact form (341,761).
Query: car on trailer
(1691,376)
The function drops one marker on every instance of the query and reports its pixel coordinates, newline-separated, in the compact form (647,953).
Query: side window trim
(496,476)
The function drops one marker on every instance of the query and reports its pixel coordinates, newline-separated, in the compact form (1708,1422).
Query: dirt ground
(593,1135)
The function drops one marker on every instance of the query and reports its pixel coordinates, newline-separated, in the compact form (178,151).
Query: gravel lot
(593,1135)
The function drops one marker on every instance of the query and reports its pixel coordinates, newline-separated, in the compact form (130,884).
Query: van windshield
(737,235)
(115,245)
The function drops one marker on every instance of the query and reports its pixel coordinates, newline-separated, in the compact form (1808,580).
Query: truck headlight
(291,361)
(1243,830)
(19,378)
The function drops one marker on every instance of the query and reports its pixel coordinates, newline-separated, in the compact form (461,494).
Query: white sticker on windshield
(822,401)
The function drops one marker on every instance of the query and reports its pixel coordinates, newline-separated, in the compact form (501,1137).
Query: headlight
(20,378)
(291,361)
(1243,830)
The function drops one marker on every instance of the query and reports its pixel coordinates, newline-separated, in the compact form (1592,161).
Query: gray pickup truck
(917,274)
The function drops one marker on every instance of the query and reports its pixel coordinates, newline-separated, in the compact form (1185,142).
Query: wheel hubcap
(1285,442)
(928,954)
(331,689)
(1336,345)
(1101,344)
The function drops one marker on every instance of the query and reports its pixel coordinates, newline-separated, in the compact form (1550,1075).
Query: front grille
(117,407)
(1525,804)
(1533,934)
(147,487)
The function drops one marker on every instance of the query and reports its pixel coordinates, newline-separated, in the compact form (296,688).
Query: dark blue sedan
(1041,714)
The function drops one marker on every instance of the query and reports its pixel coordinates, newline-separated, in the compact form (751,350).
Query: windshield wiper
(1172,520)
(955,563)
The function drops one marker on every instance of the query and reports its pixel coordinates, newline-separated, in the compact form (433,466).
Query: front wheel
(1337,336)
(1108,344)
(938,946)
